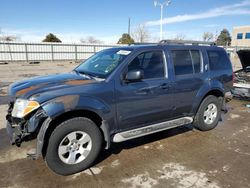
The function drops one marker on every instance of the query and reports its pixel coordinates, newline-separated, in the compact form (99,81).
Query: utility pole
(129,26)
(162,5)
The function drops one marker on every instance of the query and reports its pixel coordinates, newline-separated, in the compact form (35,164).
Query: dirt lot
(181,157)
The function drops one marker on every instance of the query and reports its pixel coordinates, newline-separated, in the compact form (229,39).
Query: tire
(73,146)
(209,113)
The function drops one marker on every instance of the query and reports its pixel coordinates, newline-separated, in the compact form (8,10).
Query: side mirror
(135,75)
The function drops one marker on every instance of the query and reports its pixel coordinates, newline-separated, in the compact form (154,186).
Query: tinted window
(247,35)
(151,63)
(218,60)
(182,62)
(196,56)
(239,35)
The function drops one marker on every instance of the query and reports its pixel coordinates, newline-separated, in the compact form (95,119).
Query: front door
(149,100)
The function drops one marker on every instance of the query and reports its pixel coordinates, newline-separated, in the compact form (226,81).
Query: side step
(135,133)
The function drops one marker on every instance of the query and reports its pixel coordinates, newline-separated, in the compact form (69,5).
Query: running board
(135,133)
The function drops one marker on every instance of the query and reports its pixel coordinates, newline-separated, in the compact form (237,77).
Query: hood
(244,56)
(41,84)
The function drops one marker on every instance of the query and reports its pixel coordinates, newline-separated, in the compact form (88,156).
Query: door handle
(165,86)
(143,91)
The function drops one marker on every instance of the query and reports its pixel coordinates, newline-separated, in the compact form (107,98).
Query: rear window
(186,61)
(218,60)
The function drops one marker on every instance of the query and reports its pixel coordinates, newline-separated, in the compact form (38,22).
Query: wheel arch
(218,92)
(50,124)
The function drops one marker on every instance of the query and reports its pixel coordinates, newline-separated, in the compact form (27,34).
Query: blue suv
(116,95)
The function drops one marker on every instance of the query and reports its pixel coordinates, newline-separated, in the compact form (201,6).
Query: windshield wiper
(91,76)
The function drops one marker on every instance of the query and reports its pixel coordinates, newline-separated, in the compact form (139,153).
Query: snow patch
(178,175)
(182,177)
(141,180)
(146,147)
(96,170)
(234,116)
(225,168)
(160,146)
(245,128)
(13,154)
(240,152)
(115,163)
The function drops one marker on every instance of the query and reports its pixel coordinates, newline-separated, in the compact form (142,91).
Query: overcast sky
(72,20)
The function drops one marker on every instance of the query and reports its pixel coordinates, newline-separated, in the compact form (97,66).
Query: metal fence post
(76,53)
(94,49)
(26,53)
(52,53)
(10,52)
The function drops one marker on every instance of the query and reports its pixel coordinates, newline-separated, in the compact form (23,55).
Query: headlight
(23,107)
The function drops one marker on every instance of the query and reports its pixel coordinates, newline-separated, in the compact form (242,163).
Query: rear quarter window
(218,60)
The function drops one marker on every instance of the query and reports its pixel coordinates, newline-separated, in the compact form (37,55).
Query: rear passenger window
(218,60)
(182,62)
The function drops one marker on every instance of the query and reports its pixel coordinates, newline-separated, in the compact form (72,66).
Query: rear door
(189,76)
(149,100)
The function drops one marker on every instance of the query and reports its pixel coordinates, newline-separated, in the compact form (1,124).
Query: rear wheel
(209,114)
(73,146)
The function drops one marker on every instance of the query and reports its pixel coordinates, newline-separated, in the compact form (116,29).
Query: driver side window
(151,63)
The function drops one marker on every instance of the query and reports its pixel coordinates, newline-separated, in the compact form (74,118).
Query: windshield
(103,63)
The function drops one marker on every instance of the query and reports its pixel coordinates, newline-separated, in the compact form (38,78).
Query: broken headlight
(23,107)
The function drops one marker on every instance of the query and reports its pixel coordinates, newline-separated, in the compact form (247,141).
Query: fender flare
(43,130)
(58,106)
(202,93)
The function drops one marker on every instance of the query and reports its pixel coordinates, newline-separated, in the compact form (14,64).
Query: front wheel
(73,146)
(209,114)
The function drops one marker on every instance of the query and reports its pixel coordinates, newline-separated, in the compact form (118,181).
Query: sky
(72,20)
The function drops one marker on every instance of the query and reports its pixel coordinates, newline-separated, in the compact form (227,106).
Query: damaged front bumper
(15,134)
(20,130)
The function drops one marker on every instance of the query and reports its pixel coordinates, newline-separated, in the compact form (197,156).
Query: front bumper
(20,130)
(16,134)
(11,133)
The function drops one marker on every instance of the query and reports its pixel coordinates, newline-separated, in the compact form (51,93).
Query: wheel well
(69,115)
(214,92)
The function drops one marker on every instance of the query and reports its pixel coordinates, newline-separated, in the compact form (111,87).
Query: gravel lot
(182,157)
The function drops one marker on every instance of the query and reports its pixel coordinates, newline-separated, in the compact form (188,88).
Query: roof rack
(142,43)
(186,42)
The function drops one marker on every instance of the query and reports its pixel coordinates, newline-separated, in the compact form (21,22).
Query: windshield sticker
(123,52)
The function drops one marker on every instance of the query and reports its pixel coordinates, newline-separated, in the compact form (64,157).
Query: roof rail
(186,42)
(142,43)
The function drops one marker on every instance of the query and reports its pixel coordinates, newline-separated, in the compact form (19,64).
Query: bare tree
(8,38)
(141,34)
(90,39)
(180,37)
(208,36)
